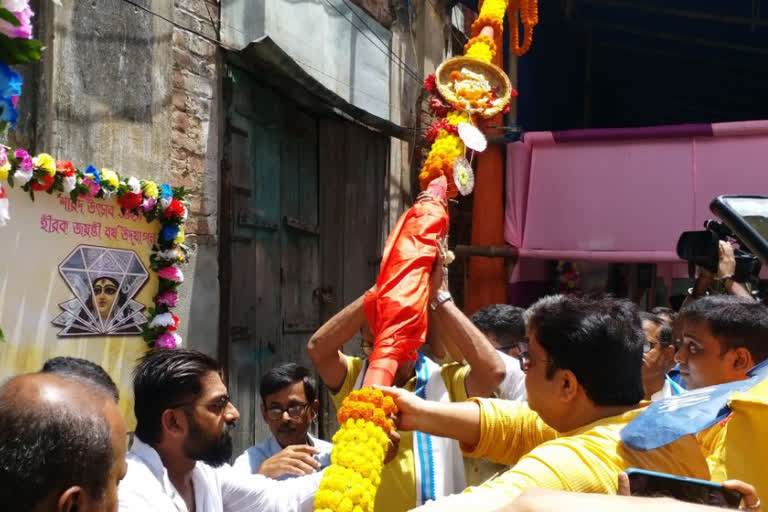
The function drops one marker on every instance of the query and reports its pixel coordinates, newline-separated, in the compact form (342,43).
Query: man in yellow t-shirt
(480,377)
(584,384)
(723,338)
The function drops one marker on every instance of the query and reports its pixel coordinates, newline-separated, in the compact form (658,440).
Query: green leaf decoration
(8,16)
(20,51)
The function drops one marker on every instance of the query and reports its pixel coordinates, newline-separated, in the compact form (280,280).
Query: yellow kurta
(738,447)
(587,459)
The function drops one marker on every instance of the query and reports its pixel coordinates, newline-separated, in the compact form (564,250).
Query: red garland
(441,124)
(65,167)
(45,185)
(430,83)
(129,201)
(175,210)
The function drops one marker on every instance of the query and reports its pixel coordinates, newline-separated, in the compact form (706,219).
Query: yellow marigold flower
(4,169)
(480,51)
(180,237)
(45,162)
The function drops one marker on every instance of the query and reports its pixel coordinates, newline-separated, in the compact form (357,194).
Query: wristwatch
(442,296)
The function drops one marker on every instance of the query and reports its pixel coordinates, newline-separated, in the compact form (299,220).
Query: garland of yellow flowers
(359,447)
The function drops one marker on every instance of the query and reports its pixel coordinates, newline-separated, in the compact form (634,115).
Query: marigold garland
(528,11)
(166,204)
(491,15)
(446,144)
(359,447)
(480,47)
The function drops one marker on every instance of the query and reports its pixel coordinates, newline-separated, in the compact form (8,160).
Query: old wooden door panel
(255,120)
(353,163)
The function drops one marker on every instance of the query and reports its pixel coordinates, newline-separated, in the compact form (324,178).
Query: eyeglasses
(294,411)
(649,345)
(217,406)
(525,359)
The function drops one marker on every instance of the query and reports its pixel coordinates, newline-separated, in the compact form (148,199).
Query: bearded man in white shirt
(178,462)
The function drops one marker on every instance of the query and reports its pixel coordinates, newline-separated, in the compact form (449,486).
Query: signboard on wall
(75,280)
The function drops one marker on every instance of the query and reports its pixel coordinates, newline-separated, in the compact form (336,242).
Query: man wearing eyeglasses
(178,461)
(289,406)
(658,358)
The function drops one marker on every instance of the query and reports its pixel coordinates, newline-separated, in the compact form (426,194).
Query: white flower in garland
(69,183)
(134,184)
(162,320)
(22,177)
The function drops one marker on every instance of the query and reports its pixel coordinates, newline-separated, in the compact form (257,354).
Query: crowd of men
(514,410)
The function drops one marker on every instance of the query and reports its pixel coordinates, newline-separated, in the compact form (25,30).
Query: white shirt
(252,458)
(146,487)
(513,385)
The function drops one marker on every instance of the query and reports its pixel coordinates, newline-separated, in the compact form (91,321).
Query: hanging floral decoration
(359,448)
(527,11)
(467,95)
(44,174)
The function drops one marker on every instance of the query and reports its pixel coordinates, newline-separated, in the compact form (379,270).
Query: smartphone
(692,490)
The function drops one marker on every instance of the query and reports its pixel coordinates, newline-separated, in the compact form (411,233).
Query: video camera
(701,248)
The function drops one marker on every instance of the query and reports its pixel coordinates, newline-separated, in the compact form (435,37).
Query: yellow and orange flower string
(359,447)
(529,18)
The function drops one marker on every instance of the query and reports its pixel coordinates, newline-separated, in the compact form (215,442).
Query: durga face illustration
(104,282)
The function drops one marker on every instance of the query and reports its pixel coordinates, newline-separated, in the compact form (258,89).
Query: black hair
(666,332)
(163,379)
(76,367)
(47,448)
(664,311)
(505,322)
(599,340)
(283,376)
(735,322)
(114,281)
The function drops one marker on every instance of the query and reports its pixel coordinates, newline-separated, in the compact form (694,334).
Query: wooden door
(302,209)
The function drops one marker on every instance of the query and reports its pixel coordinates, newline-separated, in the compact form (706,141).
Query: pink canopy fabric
(625,195)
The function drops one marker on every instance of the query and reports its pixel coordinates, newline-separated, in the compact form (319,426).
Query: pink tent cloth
(625,195)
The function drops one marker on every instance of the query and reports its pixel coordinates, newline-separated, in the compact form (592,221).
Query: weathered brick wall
(381,10)
(194,95)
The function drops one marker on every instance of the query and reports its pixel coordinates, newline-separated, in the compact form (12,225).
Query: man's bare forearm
(457,420)
(486,367)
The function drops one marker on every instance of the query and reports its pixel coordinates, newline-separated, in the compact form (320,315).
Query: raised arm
(324,346)
(453,328)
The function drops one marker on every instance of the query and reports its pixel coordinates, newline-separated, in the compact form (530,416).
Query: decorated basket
(495,77)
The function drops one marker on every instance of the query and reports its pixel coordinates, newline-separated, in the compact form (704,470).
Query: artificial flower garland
(166,204)
(359,448)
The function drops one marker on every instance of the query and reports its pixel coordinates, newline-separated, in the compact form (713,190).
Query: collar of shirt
(204,481)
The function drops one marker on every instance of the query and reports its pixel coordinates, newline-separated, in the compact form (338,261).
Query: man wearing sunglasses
(178,461)
(289,405)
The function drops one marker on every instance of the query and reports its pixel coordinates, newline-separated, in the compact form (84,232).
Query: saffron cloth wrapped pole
(465,90)
(397,313)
